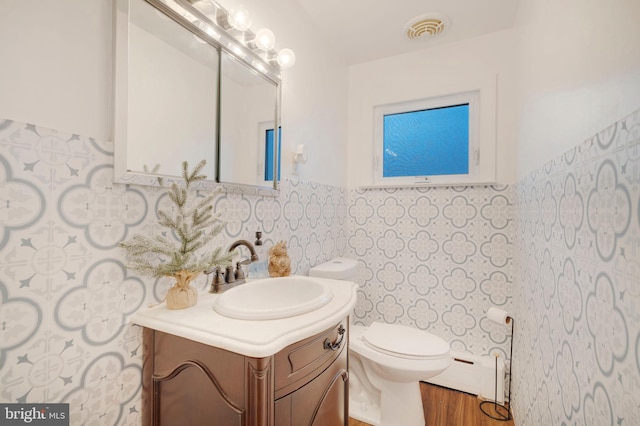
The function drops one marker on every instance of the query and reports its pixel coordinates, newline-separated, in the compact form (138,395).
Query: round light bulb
(286,58)
(265,39)
(240,19)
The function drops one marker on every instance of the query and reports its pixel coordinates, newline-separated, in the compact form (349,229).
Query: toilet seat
(404,342)
(395,366)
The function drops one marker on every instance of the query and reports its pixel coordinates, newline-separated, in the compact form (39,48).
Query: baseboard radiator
(473,374)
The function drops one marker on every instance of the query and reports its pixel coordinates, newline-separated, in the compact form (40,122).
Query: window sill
(426,185)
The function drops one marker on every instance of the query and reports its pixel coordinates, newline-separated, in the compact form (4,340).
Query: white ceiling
(365,30)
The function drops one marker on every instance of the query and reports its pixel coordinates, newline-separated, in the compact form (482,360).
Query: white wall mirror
(186,89)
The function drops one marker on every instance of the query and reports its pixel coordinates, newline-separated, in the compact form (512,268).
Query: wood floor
(446,407)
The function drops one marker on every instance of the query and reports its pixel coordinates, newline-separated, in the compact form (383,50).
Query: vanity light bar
(237,21)
(183,12)
(213,18)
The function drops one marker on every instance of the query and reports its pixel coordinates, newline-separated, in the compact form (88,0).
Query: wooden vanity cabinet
(190,383)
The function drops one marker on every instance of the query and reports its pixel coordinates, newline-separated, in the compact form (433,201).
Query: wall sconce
(299,157)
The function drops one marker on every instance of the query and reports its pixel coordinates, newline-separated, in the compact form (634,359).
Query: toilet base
(384,390)
(364,398)
(368,414)
(401,404)
(398,404)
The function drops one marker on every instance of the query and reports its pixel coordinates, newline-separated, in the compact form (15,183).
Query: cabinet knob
(336,345)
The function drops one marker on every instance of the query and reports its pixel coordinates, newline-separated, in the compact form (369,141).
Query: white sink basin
(273,298)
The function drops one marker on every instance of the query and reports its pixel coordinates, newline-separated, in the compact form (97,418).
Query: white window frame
(472,98)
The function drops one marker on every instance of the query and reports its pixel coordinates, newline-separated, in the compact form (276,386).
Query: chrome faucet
(232,277)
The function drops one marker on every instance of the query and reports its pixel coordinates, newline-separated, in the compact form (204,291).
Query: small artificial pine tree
(180,258)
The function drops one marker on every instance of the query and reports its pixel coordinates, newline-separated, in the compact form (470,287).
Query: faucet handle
(219,278)
(240,275)
(216,281)
(230,275)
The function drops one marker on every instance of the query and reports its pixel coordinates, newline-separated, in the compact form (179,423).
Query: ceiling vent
(427,27)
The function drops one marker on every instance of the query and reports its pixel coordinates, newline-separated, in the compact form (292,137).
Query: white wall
(432,72)
(56,64)
(57,72)
(579,71)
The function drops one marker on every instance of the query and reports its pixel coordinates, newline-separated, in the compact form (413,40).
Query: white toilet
(386,363)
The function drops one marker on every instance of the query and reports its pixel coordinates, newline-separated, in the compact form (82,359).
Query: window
(430,141)
(268,158)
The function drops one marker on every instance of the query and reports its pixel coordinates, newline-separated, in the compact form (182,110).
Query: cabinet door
(190,396)
(188,383)
(321,402)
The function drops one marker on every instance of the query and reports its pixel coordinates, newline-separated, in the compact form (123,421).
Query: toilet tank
(340,268)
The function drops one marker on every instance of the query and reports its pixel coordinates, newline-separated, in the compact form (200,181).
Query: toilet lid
(405,341)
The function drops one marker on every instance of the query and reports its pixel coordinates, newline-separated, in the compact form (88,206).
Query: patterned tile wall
(577,338)
(65,294)
(436,259)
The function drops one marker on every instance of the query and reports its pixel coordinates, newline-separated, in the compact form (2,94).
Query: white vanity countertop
(254,338)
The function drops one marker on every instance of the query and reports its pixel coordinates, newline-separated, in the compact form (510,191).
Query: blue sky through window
(268,160)
(427,143)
